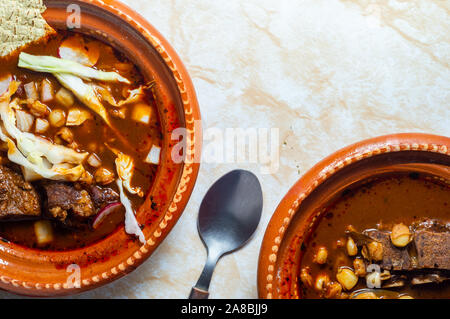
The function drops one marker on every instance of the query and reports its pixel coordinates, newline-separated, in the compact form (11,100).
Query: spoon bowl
(229,215)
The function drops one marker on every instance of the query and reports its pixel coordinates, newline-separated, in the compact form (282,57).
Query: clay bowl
(42,273)
(300,209)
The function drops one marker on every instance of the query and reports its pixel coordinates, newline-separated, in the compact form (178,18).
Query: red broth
(379,203)
(91,137)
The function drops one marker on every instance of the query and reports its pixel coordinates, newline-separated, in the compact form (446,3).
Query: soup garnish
(80,141)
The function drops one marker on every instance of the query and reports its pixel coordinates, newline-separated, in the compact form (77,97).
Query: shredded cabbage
(124,166)
(50,64)
(33,153)
(31,145)
(84,92)
(134,96)
(70,75)
(63,174)
(131,224)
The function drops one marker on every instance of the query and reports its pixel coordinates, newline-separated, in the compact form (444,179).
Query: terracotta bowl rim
(184,185)
(289,205)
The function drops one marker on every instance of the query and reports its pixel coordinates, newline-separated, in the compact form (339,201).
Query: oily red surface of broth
(382,203)
(140,136)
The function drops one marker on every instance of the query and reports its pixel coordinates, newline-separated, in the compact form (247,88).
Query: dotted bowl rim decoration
(189,172)
(269,271)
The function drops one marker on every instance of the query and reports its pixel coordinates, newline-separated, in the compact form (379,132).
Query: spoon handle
(197,293)
(200,290)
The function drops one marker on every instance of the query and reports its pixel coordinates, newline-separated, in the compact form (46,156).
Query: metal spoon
(229,215)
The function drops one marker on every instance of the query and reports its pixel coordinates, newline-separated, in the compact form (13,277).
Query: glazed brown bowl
(300,210)
(42,273)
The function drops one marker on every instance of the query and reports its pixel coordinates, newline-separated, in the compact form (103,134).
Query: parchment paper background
(327,73)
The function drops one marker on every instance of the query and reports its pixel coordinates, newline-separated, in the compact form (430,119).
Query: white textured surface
(326,72)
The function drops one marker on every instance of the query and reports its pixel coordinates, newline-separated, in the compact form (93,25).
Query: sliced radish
(105,212)
(4,83)
(76,49)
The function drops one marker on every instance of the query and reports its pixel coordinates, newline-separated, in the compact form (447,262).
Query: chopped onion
(57,118)
(44,232)
(42,125)
(4,83)
(65,97)
(142,113)
(84,92)
(32,151)
(35,153)
(77,117)
(105,212)
(154,155)
(47,91)
(31,91)
(24,121)
(94,161)
(71,74)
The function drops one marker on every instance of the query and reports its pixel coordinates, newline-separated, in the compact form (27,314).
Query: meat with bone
(433,249)
(429,250)
(393,258)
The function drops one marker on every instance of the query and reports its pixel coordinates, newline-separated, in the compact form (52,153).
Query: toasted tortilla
(21,23)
